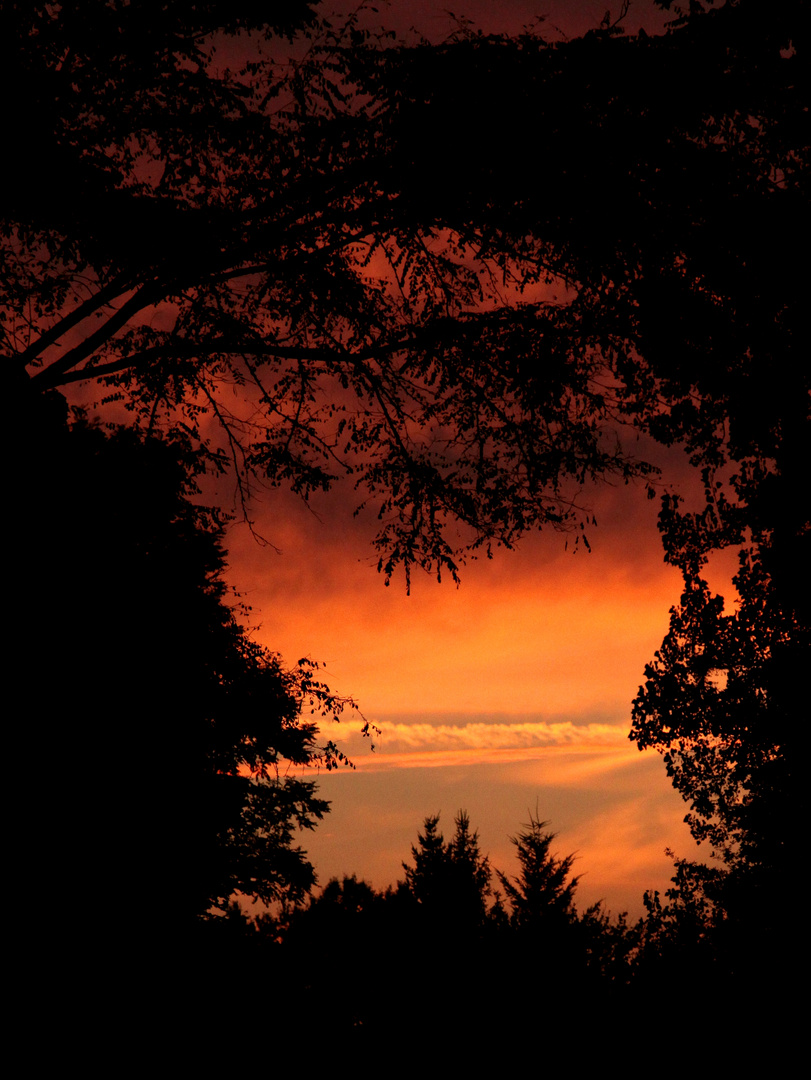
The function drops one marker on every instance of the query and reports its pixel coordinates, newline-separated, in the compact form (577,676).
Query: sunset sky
(407,408)
(507,696)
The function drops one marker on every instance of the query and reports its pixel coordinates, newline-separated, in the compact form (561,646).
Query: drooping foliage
(361,242)
(222,220)
(446,272)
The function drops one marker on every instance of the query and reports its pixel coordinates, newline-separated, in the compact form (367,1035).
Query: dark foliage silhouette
(457,337)
(544,888)
(439,937)
(362,245)
(170,732)
(450,880)
(720,701)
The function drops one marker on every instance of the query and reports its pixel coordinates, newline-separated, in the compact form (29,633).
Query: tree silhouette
(360,244)
(543,892)
(299,262)
(449,880)
(720,703)
(176,744)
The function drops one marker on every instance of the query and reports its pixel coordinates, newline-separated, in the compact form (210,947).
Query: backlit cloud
(408,745)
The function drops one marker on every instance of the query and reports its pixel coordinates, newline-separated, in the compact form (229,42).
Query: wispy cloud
(422,745)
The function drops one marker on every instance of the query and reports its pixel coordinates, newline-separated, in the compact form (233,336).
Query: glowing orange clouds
(484,741)
(538,630)
(607,802)
(509,692)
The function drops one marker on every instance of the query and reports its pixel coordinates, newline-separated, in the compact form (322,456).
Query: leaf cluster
(252,244)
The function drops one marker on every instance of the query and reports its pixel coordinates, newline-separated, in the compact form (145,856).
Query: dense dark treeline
(363,247)
(363,965)
(157,735)
(368,963)
(177,798)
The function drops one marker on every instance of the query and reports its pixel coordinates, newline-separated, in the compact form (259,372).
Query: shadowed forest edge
(294,251)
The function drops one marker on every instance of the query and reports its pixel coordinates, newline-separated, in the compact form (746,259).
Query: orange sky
(508,694)
(512,691)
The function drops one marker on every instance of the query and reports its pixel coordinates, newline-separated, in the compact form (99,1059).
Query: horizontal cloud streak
(422,745)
